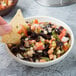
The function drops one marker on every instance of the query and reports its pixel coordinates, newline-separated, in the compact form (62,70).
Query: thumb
(5,29)
(2,21)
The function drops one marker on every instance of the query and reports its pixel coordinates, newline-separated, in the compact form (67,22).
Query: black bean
(53,29)
(27,59)
(57,31)
(26,21)
(61,28)
(35,56)
(49,25)
(13,45)
(23,38)
(45,28)
(49,33)
(34,35)
(48,37)
(22,48)
(60,48)
(67,35)
(59,43)
(44,54)
(38,39)
(22,42)
(46,46)
(42,31)
(45,36)
(14,50)
(55,52)
(29,32)
(34,59)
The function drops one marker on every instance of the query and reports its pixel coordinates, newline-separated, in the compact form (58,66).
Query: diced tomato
(35,21)
(61,36)
(29,25)
(39,46)
(24,30)
(51,56)
(54,26)
(3,7)
(47,41)
(20,31)
(63,33)
(65,48)
(0,6)
(50,45)
(50,51)
(42,60)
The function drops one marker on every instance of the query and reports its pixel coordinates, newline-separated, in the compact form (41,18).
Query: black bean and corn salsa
(5,4)
(41,42)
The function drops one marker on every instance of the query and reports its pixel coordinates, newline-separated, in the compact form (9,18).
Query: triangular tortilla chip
(13,37)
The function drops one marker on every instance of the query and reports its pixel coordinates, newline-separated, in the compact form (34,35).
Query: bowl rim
(15,2)
(44,63)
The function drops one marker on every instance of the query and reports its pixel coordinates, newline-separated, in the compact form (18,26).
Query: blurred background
(55,2)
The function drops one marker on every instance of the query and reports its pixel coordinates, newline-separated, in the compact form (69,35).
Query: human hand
(4,27)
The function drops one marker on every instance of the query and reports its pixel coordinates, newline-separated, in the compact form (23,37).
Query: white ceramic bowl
(54,21)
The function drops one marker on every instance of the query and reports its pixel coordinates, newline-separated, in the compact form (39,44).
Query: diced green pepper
(55,36)
(46,58)
(32,45)
(53,43)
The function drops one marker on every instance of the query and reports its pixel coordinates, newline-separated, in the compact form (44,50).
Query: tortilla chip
(13,37)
